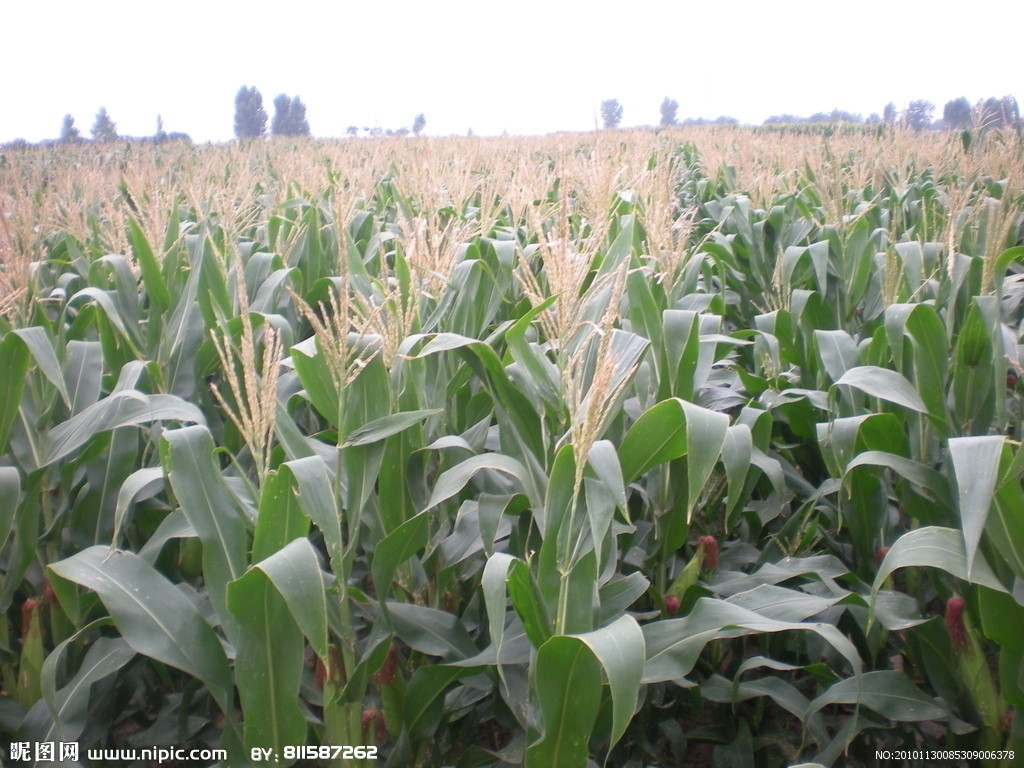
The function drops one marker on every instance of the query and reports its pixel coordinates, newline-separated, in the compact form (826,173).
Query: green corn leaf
(279,519)
(528,603)
(737,456)
(673,645)
(83,373)
(268,661)
(566,680)
(936,547)
(838,352)
(69,706)
(884,384)
(384,427)
(430,631)
(14,360)
(295,572)
(889,693)
(671,429)
(915,472)
(152,279)
(315,374)
(425,698)
(139,485)
(1005,523)
(10,492)
(619,648)
(126,408)
(395,548)
(452,481)
(492,583)
(975,463)
(313,486)
(40,345)
(189,460)
(153,616)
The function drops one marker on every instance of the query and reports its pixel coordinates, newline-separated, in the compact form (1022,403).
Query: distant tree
(250,116)
(889,114)
(297,118)
(726,120)
(289,117)
(611,113)
(669,108)
(873,119)
(842,116)
(282,106)
(352,130)
(104,129)
(419,123)
(956,115)
(918,114)
(161,135)
(68,133)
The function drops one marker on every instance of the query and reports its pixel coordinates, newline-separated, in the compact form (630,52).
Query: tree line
(958,114)
(104,129)
(289,117)
(250,120)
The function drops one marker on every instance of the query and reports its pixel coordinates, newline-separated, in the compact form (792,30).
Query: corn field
(630,449)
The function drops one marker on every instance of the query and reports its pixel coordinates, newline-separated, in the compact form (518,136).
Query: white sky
(532,66)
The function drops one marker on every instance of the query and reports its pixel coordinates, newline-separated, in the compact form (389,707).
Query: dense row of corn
(492,452)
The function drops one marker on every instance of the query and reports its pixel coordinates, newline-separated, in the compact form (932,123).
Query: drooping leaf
(936,547)
(121,409)
(384,427)
(455,479)
(884,384)
(152,615)
(619,648)
(975,463)
(887,692)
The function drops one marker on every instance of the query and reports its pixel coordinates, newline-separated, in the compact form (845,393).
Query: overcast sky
(533,66)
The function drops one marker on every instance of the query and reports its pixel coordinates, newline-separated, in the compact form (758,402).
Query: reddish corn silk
(373,719)
(880,554)
(671,605)
(28,611)
(386,674)
(319,674)
(1011,380)
(709,544)
(49,596)
(955,623)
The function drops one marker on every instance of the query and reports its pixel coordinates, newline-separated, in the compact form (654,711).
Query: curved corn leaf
(153,616)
